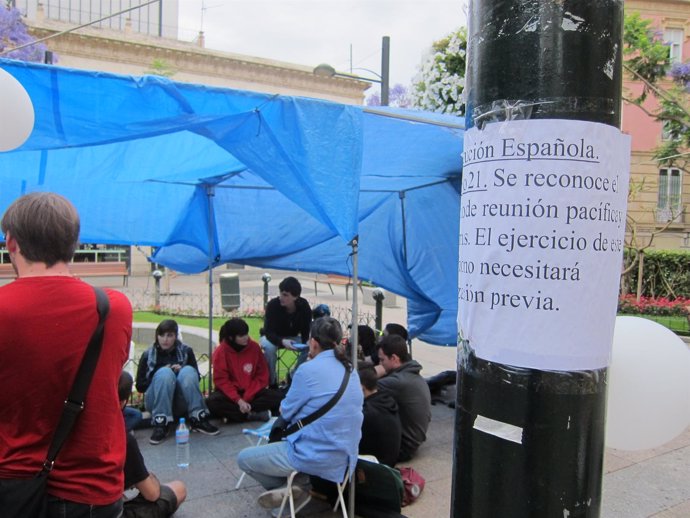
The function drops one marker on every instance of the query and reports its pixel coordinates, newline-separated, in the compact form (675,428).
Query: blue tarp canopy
(213,175)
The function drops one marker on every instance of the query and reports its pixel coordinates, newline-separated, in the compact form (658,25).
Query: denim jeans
(268,464)
(59,508)
(271,355)
(132,417)
(181,390)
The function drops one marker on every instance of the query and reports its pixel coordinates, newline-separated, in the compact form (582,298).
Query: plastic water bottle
(182,441)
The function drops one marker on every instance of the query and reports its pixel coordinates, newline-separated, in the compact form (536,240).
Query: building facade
(158,18)
(130,44)
(659,207)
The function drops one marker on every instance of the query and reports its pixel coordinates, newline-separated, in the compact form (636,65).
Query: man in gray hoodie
(403,381)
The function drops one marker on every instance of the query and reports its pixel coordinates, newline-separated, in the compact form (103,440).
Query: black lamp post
(266,278)
(326,70)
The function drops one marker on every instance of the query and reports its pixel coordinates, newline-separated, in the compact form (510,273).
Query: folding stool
(261,433)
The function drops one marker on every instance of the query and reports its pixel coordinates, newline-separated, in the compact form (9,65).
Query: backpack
(413,484)
(378,490)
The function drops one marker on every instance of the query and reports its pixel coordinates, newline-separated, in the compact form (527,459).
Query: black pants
(221,406)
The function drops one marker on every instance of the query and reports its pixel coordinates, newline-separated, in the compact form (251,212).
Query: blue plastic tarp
(212,175)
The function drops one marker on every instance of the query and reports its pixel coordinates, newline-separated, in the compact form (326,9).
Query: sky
(341,33)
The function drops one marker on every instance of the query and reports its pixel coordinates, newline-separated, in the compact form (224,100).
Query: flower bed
(659,306)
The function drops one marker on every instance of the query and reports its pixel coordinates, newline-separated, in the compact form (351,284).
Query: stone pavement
(636,484)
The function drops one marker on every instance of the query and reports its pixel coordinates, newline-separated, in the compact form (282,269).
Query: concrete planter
(390,300)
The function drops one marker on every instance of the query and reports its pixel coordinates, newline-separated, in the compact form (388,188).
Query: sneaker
(203,425)
(300,503)
(259,416)
(160,430)
(274,497)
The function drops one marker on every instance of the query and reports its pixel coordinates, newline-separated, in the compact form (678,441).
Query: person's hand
(245,407)
(176,368)
(288,344)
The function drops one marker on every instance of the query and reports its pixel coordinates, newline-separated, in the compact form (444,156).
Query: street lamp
(266,278)
(157,275)
(325,70)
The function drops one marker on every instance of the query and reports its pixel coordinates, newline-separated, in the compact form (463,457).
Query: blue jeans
(267,464)
(59,508)
(271,355)
(132,417)
(181,390)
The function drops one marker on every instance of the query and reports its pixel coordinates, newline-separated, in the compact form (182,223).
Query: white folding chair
(288,496)
(259,434)
(340,501)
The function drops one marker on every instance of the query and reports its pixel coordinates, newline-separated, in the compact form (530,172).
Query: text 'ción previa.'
(501,299)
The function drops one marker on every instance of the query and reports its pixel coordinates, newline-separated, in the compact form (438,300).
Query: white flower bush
(440,82)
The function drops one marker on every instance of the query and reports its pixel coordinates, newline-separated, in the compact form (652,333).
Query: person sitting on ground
(390,329)
(132,416)
(168,376)
(286,322)
(396,329)
(410,391)
(154,499)
(366,344)
(240,375)
(366,337)
(326,447)
(381,429)
(322,310)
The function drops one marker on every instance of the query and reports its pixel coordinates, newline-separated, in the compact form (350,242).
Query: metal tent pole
(353,346)
(210,193)
(402,195)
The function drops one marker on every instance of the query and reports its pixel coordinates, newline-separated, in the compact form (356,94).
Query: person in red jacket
(240,375)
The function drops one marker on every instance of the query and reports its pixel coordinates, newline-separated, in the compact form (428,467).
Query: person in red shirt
(240,375)
(47,317)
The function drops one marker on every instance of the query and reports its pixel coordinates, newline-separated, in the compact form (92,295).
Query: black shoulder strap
(75,401)
(321,411)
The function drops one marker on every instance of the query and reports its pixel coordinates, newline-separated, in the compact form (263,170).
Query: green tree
(646,59)
(160,67)
(440,81)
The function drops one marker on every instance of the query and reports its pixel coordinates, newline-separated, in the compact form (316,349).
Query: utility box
(230,291)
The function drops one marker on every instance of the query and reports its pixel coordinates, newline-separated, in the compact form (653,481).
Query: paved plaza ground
(653,483)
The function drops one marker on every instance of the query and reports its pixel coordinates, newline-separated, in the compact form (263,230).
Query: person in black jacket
(286,322)
(403,381)
(168,376)
(381,430)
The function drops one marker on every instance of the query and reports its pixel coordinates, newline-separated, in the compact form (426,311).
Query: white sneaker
(274,497)
(300,503)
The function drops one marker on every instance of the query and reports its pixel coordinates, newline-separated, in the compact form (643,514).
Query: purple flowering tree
(680,72)
(647,60)
(398,96)
(13,33)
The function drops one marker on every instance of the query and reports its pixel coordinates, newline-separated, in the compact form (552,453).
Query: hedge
(666,274)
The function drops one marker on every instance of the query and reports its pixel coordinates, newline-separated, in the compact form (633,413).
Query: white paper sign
(542,224)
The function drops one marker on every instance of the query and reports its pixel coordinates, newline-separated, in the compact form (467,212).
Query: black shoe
(160,430)
(203,425)
(259,416)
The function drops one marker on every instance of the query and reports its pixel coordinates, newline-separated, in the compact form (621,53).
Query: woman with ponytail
(325,447)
